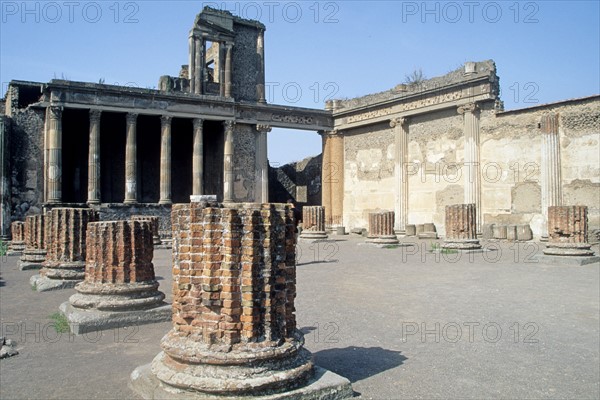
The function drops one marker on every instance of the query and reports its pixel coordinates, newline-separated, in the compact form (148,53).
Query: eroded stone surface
(381,228)
(35,250)
(461,227)
(567,231)
(17,244)
(313,223)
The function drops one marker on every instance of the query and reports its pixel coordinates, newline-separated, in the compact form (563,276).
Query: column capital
(331,133)
(131,118)
(166,119)
(198,123)
(263,128)
(95,115)
(469,107)
(55,112)
(400,121)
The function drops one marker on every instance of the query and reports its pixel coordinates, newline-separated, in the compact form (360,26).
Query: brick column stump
(381,228)
(154,222)
(17,243)
(234,329)
(567,237)
(461,225)
(65,250)
(35,250)
(313,223)
(119,288)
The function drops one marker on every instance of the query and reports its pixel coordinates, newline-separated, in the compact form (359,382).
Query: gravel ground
(400,323)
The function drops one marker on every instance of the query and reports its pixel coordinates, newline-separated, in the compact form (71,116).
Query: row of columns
(197,71)
(53,172)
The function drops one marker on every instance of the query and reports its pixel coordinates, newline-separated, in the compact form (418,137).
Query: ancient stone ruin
(119,288)
(381,228)
(313,223)
(234,328)
(153,223)
(66,250)
(17,244)
(35,250)
(461,221)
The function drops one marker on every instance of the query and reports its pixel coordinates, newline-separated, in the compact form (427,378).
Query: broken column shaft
(567,231)
(35,250)
(313,223)
(381,228)
(461,227)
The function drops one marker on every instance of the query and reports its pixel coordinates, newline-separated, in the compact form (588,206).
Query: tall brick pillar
(313,223)
(35,250)
(461,227)
(153,220)
(66,249)
(381,228)
(119,288)
(568,231)
(17,243)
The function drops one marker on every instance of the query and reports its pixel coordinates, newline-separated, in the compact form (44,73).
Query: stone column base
(457,244)
(576,261)
(313,235)
(32,259)
(324,384)
(91,320)
(568,249)
(385,240)
(44,284)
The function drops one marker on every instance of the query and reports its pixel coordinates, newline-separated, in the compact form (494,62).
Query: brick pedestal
(381,228)
(66,249)
(119,287)
(154,223)
(461,225)
(35,251)
(234,329)
(313,223)
(17,243)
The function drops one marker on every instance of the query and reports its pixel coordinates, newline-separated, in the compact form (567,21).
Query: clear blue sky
(545,51)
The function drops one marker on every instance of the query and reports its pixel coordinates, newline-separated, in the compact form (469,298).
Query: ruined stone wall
(299,180)
(244,160)
(245,63)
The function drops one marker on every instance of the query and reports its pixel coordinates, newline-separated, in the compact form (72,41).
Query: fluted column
(54,172)
(400,126)
(326,176)
(471,160)
(460,227)
(198,158)
(228,47)
(551,169)
(131,160)
(381,228)
(192,63)
(94,158)
(165,160)
(568,231)
(199,65)
(260,50)
(313,223)
(337,181)
(261,165)
(228,176)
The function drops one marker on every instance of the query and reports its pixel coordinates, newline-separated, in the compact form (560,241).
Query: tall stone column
(461,227)
(261,165)
(228,47)
(472,163)
(165,160)
(337,178)
(313,223)
(131,160)
(228,176)
(192,62)
(326,172)
(199,65)
(400,126)
(198,158)
(551,166)
(260,50)
(119,288)
(5,191)
(65,250)
(54,169)
(94,158)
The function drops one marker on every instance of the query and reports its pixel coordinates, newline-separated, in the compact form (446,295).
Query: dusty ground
(398,325)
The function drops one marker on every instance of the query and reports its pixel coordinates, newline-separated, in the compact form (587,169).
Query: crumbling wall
(244,142)
(245,63)
(300,181)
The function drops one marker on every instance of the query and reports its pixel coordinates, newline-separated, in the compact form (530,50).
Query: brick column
(381,228)
(472,165)
(165,160)
(551,167)
(198,158)
(153,221)
(233,303)
(66,249)
(228,176)
(400,126)
(568,231)
(54,169)
(313,223)
(94,158)
(17,243)
(119,288)
(131,160)
(35,250)
(461,230)
(261,165)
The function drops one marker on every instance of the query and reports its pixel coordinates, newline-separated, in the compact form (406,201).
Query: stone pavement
(399,322)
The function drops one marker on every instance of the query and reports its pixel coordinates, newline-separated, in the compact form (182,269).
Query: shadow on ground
(358,363)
